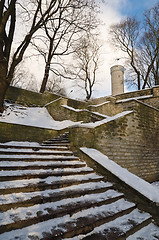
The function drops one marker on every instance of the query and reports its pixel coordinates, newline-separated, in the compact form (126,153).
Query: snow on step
(38,163)
(36,157)
(25,196)
(150,232)
(35,231)
(77,220)
(119,227)
(26,213)
(33,150)
(44,171)
(20,144)
(29,147)
(48,180)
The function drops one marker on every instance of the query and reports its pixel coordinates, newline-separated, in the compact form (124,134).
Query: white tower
(117,79)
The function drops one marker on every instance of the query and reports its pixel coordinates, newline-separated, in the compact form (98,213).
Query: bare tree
(125,36)
(150,43)
(55,85)
(141,46)
(71,19)
(23,78)
(39,12)
(86,63)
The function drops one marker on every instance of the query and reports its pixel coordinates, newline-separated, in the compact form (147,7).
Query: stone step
(36,157)
(121,227)
(24,199)
(91,210)
(55,144)
(37,184)
(42,173)
(10,151)
(66,139)
(34,148)
(150,232)
(48,193)
(21,165)
(56,141)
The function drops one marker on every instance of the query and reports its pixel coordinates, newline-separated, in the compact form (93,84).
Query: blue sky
(136,7)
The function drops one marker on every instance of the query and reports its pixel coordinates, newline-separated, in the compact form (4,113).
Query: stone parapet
(132,141)
(17,132)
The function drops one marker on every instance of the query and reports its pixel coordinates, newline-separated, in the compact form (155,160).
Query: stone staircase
(48,193)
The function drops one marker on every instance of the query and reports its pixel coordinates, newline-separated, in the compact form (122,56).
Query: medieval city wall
(131,140)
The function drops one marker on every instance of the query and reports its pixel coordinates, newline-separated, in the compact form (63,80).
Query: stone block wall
(60,113)
(16,132)
(77,104)
(154,101)
(132,141)
(29,98)
(108,108)
(134,94)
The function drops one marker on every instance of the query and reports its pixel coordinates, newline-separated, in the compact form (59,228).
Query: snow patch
(140,185)
(99,105)
(25,144)
(33,116)
(133,98)
(108,119)
(50,180)
(74,109)
(25,196)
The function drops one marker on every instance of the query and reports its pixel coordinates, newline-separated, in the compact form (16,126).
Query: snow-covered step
(120,228)
(29,146)
(35,157)
(17,165)
(42,173)
(48,193)
(150,232)
(55,144)
(56,140)
(36,184)
(85,209)
(56,194)
(49,180)
(10,151)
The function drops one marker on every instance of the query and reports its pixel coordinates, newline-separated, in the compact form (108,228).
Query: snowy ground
(39,117)
(33,116)
(156,184)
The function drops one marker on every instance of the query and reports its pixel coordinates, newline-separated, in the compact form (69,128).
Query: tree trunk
(3,88)
(3,82)
(138,80)
(45,79)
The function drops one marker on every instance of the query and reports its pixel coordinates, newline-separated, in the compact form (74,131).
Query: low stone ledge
(17,132)
(143,193)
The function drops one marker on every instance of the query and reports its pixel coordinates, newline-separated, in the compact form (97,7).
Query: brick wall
(132,141)
(60,113)
(15,132)
(28,97)
(108,108)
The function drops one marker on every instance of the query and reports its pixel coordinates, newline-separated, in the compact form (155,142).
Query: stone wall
(16,132)
(59,112)
(29,98)
(132,141)
(108,108)
(133,94)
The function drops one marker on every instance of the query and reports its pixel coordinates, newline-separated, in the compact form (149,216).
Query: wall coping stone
(146,189)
